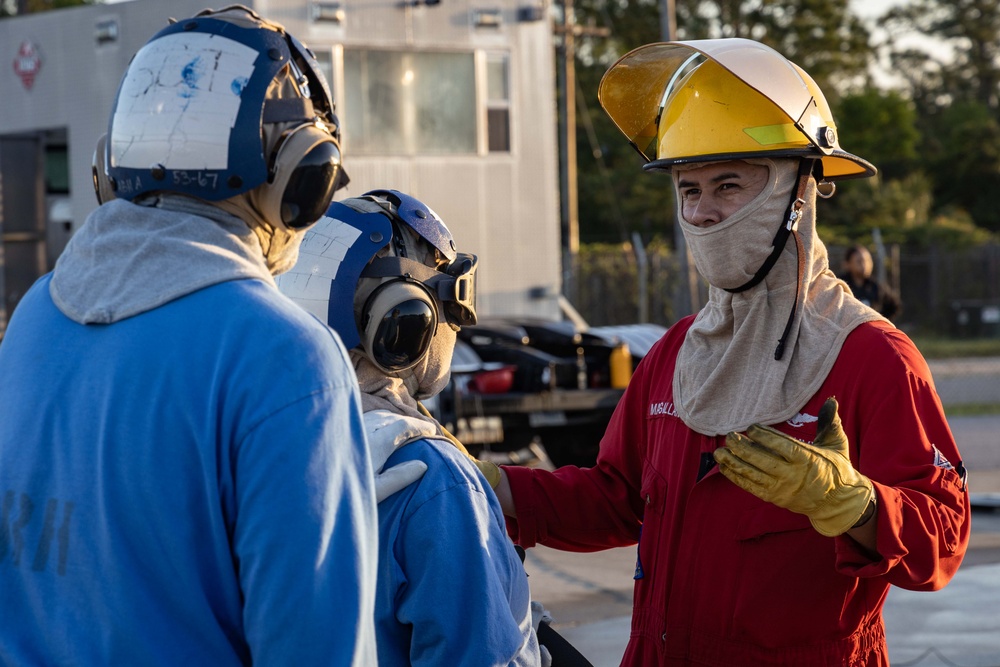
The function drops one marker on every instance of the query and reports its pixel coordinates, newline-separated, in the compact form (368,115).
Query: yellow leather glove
(490,470)
(817,480)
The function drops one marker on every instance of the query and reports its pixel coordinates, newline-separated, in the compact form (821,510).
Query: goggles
(454,288)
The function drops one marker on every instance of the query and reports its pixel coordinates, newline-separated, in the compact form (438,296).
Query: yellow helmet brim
(635,90)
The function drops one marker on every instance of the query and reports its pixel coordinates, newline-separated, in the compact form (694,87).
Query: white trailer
(451,101)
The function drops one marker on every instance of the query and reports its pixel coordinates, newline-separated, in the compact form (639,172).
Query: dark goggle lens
(403,335)
(311,186)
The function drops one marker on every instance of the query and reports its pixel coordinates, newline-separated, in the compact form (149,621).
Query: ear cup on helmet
(397,324)
(102,184)
(307,168)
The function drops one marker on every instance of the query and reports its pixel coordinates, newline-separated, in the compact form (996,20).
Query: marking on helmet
(190,76)
(321,254)
(769,135)
(177,104)
(238,85)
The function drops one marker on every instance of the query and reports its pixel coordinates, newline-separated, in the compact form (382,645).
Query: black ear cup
(102,184)
(306,170)
(397,324)
(311,186)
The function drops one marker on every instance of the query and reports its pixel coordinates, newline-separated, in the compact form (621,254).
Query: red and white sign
(27,63)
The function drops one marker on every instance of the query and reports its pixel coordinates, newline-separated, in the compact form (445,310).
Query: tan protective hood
(726,377)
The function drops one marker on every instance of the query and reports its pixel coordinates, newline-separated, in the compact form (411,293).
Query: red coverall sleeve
(588,509)
(906,448)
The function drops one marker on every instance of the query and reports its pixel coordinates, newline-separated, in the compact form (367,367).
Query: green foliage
(901,209)
(616,197)
(881,127)
(923,184)
(970,28)
(965,161)
(951,229)
(956,92)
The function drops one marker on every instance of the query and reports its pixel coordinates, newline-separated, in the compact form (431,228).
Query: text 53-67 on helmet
(724,99)
(220,104)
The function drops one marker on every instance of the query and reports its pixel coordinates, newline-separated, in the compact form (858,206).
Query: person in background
(858,276)
(781,458)
(383,271)
(184,474)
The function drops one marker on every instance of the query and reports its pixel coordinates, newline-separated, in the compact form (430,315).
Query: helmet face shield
(723,99)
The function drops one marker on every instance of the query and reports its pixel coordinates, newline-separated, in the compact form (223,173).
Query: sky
(873,8)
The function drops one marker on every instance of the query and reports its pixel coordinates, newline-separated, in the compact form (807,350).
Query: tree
(880,126)
(970,29)
(954,82)
(928,190)
(966,163)
(616,196)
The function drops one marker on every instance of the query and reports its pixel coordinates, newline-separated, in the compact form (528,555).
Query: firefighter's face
(712,193)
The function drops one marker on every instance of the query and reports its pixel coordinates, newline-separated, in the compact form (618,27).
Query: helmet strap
(801,253)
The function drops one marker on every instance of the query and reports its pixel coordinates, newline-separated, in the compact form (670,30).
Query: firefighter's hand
(817,480)
(388,431)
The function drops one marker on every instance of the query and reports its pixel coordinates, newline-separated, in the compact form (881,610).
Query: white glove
(387,431)
(539,615)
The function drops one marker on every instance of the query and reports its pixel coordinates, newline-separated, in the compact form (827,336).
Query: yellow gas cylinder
(621,366)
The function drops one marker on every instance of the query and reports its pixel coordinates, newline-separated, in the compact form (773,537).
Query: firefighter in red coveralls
(781,458)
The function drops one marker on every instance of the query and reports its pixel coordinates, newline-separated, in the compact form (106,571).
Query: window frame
(482,103)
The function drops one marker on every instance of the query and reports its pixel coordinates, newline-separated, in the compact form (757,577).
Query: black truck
(521,383)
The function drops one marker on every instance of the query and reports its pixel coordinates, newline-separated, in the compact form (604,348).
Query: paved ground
(963,381)
(590,595)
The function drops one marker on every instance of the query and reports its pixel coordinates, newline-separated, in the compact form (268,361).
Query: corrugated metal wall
(502,206)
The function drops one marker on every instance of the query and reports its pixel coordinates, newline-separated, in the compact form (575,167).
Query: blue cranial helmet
(417,279)
(219,104)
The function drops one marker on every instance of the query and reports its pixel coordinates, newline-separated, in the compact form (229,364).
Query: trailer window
(409,103)
(497,103)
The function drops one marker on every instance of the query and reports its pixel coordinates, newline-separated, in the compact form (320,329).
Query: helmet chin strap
(788,227)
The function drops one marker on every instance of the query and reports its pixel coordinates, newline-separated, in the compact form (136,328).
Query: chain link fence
(945,293)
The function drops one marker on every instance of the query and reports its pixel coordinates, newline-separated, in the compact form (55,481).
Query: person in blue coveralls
(184,477)
(382,270)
